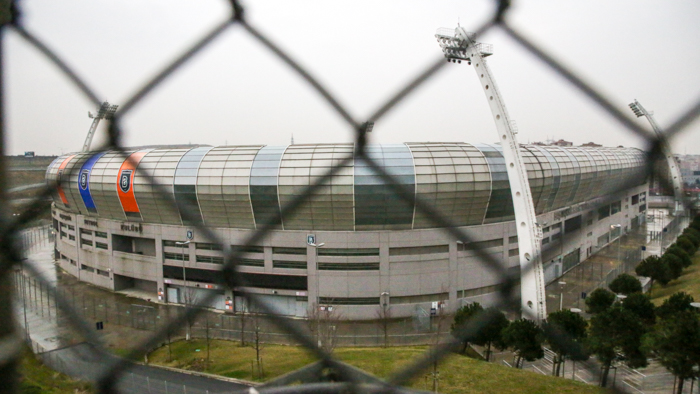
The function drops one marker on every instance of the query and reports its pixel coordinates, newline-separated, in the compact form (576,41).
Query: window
(635,199)
(556,226)
(556,236)
(87,268)
(615,207)
(415,299)
(301,265)
(251,262)
(350,301)
(478,291)
(172,244)
(513,240)
(545,230)
(480,245)
(417,250)
(207,246)
(176,256)
(210,259)
(348,252)
(85,242)
(545,241)
(249,249)
(86,232)
(298,251)
(101,245)
(100,234)
(71,227)
(348,266)
(642,207)
(514,252)
(71,237)
(603,212)
(573,224)
(102,272)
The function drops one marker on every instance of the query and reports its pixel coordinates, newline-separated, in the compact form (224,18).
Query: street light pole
(318,292)
(619,236)
(561,294)
(184,279)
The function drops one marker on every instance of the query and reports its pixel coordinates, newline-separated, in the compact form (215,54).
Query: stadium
(353,247)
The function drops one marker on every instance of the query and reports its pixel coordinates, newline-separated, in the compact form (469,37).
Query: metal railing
(110,371)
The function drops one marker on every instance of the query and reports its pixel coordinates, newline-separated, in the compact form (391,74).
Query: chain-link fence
(110,371)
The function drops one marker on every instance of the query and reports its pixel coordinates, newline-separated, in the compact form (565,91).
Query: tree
(686,244)
(693,235)
(564,330)
(676,345)
(625,284)
(463,315)
(677,302)
(674,265)
(491,333)
(599,300)
(525,338)
(678,251)
(616,331)
(640,305)
(653,268)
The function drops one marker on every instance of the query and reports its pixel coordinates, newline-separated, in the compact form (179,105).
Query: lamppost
(184,280)
(318,291)
(561,294)
(619,237)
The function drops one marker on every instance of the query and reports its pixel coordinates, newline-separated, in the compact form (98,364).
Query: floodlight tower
(676,178)
(458,46)
(106,111)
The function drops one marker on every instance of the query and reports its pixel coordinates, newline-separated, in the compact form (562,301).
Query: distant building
(591,145)
(562,143)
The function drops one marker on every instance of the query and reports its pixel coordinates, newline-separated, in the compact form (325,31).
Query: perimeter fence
(111,369)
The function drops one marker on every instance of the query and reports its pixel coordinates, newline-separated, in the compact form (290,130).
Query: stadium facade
(115,230)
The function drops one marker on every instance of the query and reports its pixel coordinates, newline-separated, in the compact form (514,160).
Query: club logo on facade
(84,179)
(125,180)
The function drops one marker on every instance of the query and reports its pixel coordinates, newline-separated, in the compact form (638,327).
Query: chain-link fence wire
(112,368)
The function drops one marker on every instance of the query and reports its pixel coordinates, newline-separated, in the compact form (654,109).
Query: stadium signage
(133,227)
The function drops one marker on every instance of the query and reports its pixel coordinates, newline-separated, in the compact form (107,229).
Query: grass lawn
(458,374)
(38,378)
(689,282)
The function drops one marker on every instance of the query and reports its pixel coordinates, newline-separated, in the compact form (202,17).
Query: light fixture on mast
(106,111)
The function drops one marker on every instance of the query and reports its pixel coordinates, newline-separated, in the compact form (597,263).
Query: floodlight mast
(458,46)
(106,111)
(676,177)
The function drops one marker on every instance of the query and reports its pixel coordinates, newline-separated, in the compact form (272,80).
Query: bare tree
(441,325)
(258,344)
(190,298)
(323,321)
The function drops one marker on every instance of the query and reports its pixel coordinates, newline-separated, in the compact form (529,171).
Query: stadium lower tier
(353,273)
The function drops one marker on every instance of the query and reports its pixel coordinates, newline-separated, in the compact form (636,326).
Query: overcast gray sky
(236,92)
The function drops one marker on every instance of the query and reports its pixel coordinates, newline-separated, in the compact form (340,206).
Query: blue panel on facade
(375,202)
(263,185)
(501,200)
(184,185)
(84,182)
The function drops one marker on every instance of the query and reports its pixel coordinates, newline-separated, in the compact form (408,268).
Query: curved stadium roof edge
(245,186)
